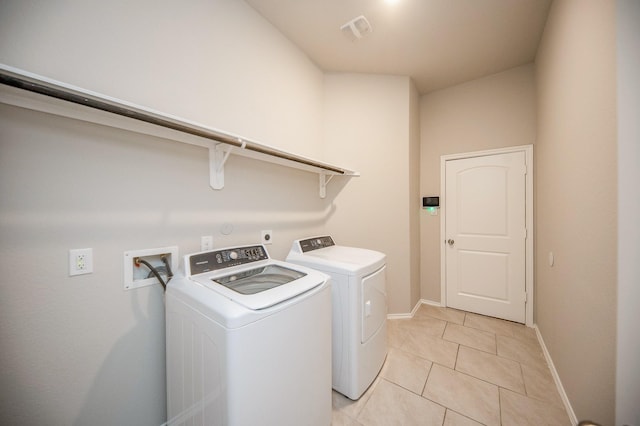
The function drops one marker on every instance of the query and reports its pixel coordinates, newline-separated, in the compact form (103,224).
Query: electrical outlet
(267,237)
(80,261)
(206,243)
(137,275)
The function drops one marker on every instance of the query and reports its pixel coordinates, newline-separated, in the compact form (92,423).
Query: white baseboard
(400,316)
(414,310)
(430,302)
(556,378)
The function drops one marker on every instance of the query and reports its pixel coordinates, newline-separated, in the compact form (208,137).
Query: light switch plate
(206,243)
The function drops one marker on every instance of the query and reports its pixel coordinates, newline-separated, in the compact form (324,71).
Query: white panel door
(485,235)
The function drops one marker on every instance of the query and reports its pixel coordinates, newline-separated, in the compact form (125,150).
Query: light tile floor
(449,367)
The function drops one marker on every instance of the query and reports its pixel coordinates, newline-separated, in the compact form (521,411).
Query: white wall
(81,350)
(576,201)
(367,125)
(628,338)
(492,112)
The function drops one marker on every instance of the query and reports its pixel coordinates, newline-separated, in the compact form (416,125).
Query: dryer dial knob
(233,255)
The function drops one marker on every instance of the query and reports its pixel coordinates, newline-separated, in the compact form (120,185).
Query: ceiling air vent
(356,28)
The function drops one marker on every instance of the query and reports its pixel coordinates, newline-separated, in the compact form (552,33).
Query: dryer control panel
(316,243)
(225,258)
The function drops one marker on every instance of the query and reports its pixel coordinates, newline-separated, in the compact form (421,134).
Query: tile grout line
(524,383)
(455,364)
(442,405)
(499,405)
(424,387)
(465,415)
(444,330)
(472,347)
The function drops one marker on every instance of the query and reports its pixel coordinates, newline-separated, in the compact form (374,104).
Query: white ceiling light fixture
(356,28)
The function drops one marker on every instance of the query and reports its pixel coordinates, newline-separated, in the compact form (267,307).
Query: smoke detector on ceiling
(356,28)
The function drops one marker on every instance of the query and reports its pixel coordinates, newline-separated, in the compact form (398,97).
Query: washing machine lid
(259,279)
(246,276)
(321,253)
(260,286)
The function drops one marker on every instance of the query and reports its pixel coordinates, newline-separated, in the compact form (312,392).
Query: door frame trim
(528,151)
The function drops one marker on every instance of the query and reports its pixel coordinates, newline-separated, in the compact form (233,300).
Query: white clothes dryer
(359,309)
(248,341)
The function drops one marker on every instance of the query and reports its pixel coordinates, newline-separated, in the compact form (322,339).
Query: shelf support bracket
(324,180)
(218,155)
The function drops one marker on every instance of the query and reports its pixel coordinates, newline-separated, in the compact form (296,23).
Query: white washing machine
(248,341)
(359,309)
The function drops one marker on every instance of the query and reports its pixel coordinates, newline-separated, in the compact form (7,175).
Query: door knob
(450,242)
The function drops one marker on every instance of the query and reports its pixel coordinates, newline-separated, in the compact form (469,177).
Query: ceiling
(439,43)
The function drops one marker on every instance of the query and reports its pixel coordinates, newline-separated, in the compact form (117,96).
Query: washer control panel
(316,243)
(225,258)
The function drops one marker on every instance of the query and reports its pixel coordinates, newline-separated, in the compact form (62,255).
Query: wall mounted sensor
(431,204)
(430,201)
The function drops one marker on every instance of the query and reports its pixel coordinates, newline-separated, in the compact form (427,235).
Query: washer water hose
(156,273)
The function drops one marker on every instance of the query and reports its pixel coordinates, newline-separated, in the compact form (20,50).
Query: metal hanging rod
(79,96)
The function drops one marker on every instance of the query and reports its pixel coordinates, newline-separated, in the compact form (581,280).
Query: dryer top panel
(338,259)
(315,243)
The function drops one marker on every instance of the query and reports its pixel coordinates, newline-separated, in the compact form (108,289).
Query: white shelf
(23,89)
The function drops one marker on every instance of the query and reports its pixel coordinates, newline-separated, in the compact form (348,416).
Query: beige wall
(576,201)
(206,62)
(493,112)
(628,338)
(81,350)
(367,125)
(415,201)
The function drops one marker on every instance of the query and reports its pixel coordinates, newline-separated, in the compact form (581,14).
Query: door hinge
(526,297)
(526,234)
